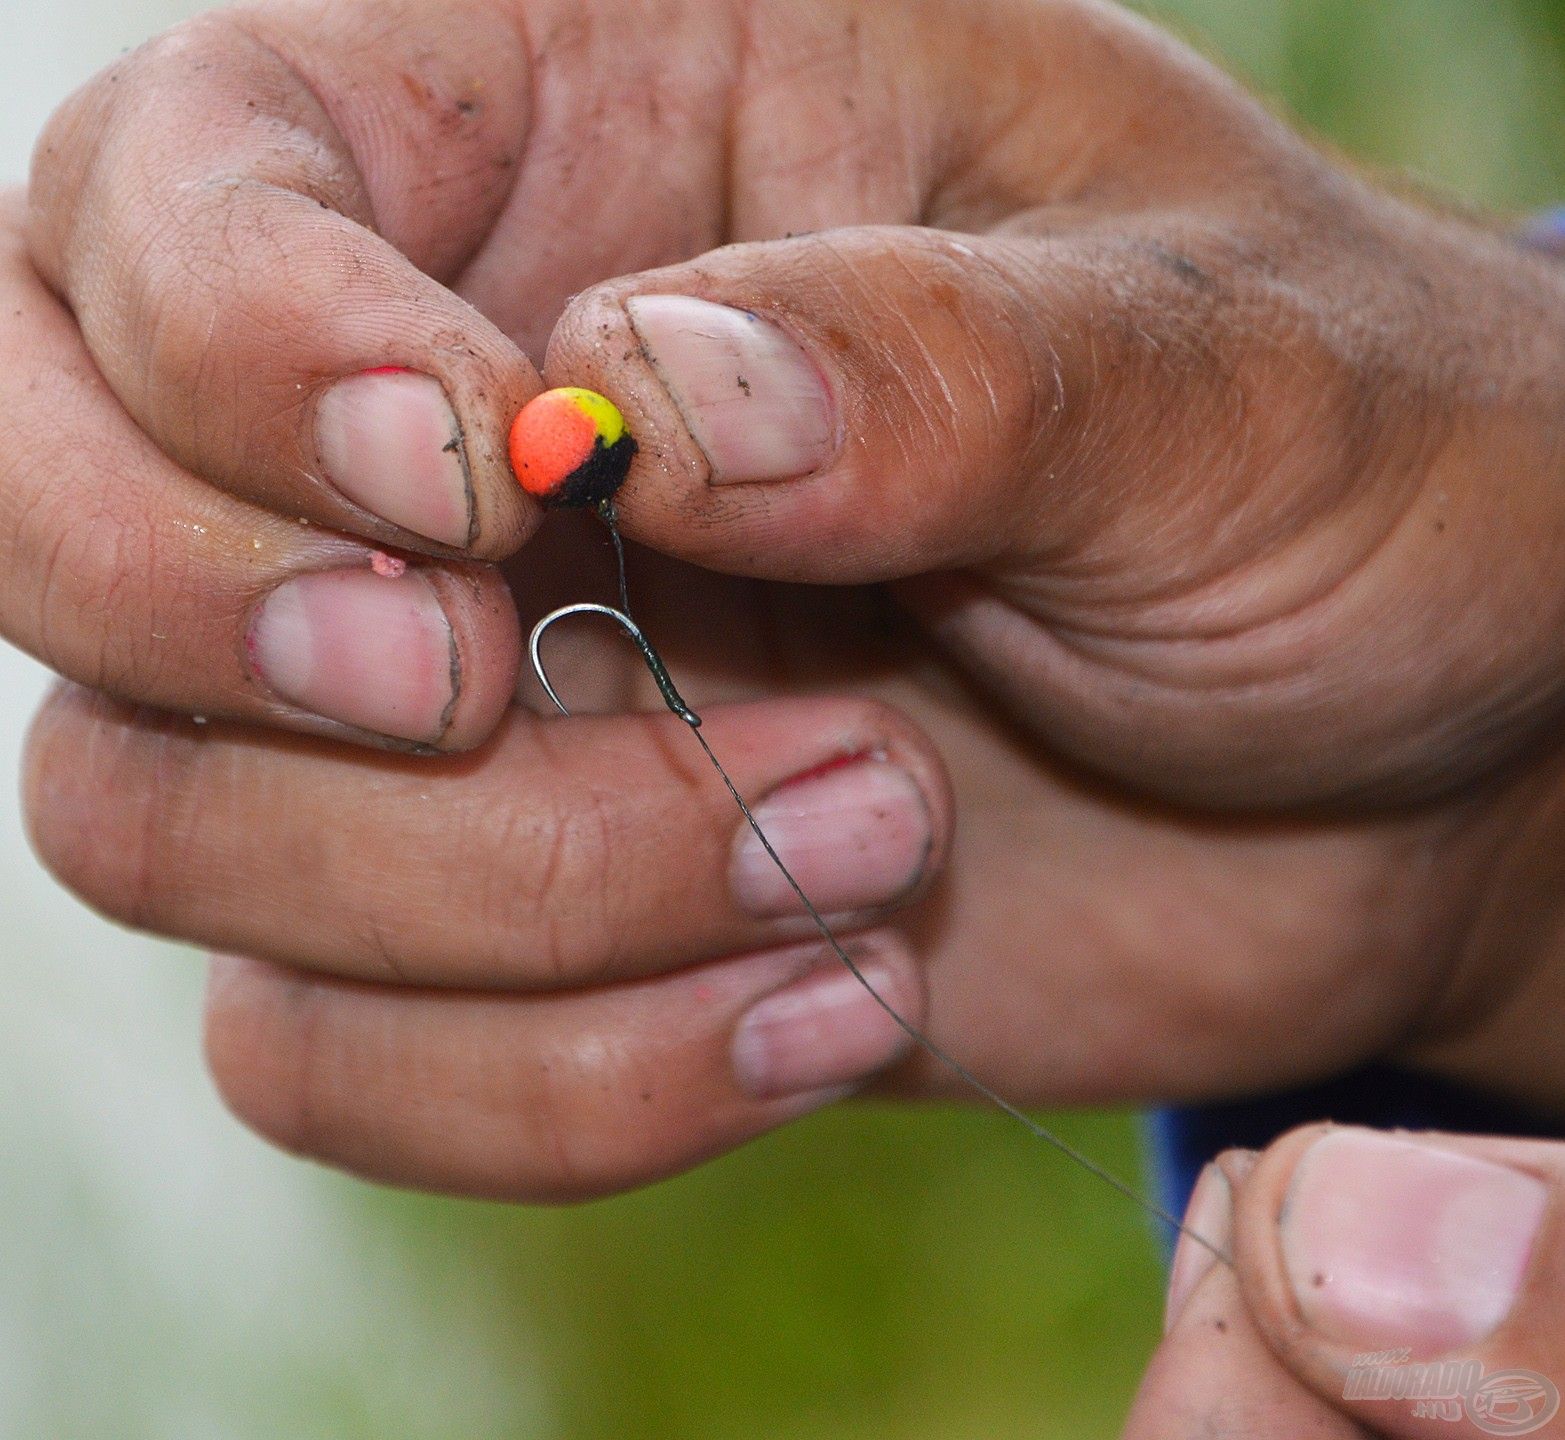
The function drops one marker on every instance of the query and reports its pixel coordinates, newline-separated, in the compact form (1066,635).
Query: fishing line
(586,471)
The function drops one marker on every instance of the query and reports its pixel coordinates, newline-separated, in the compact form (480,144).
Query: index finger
(252,227)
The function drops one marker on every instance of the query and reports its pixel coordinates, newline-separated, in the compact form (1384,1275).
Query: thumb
(855,405)
(1417,1282)
(1159,504)
(1213,1375)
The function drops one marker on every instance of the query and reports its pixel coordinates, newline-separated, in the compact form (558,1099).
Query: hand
(1363,1261)
(1177,512)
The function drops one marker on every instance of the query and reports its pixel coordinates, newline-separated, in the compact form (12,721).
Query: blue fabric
(1546,231)
(1183,1141)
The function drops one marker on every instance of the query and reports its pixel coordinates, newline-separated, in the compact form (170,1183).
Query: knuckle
(180,250)
(196,299)
(77,178)
(262,1039)
(105,798)
(194,54)
(500,913)
(544,896)
(241,300)
(75,821)
(554,1153)
(50,795)
(58,164)
(390,948)
(93,553)
(959,346)
(568,892)
(577,881)
(196,41)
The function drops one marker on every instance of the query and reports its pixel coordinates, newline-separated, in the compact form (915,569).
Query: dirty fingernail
(825,1032)
(855,835)
(750,397)
(1393,1243)
(390,441)
(369,650)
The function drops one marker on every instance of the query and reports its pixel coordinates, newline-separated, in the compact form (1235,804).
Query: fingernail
(751,398)
(1210,1215)
(1390,1242)
(358,647)
(390,441)
(856,837)
(824,1033)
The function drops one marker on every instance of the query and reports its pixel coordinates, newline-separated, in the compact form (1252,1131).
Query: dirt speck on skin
(388,567)
(1182,266)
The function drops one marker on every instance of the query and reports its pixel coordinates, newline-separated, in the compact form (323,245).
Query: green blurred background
(869,1274)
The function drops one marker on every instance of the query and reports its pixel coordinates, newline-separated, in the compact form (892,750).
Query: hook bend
(671,696)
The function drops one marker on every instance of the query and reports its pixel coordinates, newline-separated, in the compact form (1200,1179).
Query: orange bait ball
(570,447)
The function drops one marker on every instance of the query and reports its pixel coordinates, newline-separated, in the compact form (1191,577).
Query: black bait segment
(596,479)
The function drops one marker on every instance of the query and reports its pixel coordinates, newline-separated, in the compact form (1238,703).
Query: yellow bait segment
(603,412)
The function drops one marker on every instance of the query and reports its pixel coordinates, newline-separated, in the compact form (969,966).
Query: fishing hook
(671,696)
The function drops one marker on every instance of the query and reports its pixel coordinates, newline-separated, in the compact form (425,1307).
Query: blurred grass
(1467,96)
(868,1274)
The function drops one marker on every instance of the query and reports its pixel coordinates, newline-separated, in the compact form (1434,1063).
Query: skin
(1191,542)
